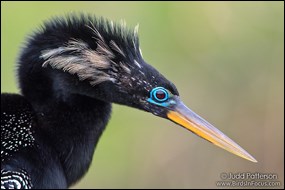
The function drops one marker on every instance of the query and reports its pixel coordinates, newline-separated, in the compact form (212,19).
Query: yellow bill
(188,119)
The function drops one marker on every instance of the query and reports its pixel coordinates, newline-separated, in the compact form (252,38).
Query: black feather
(65,116)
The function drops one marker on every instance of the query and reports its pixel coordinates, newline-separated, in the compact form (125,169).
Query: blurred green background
(227,60)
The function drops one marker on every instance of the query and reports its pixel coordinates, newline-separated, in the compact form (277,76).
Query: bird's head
(103,60)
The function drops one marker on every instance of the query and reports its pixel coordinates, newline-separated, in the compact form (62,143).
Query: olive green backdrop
(226,59)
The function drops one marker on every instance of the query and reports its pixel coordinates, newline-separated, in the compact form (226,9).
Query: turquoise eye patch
(160,96)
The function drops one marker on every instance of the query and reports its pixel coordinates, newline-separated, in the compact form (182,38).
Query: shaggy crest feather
(96,65)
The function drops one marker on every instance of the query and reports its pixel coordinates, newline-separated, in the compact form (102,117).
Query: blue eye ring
(153,94)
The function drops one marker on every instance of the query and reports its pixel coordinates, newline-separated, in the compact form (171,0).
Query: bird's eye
(161,97)
(159,94)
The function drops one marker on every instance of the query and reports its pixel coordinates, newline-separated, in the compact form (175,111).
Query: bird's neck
(72,126)
(70,120)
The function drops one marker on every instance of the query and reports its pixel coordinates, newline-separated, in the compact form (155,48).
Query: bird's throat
(73,128)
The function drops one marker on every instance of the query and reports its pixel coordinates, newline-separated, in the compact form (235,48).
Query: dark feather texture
(70,71)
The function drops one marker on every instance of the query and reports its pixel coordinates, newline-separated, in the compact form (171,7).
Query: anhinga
(70,72)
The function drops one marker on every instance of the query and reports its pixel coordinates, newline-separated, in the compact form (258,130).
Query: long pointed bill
(193,122)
